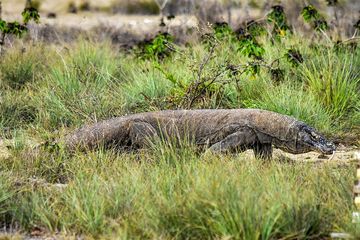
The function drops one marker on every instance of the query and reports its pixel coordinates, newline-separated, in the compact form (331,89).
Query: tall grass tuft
(334,79)
(292,100)
(21,66)
(17,109)
(78,89)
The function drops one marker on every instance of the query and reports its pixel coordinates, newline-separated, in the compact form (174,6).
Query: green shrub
(155,48)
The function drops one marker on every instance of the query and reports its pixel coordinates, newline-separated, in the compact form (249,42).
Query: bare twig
(355,33)
(217,75)
(351,39)
(325,35)
(195,87)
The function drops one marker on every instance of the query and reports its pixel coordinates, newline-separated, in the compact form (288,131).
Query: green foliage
(75,87)
(17,110)
(253,68)
(179,194)
(278,18)
(3,25)
(311,15)
(21,67)
(255,28)
(222,31)
(247,43)
(320,25)
(14,28)
(249,47)
(290,100)
(157,47)
(29,14)
(146,89)
(334,79)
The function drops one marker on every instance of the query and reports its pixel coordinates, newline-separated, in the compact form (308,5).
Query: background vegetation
(48,90)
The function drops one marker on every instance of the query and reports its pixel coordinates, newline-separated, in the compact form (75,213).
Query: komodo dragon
(222,130)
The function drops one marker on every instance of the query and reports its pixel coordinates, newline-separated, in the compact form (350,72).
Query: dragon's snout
(327,148)
(316,141)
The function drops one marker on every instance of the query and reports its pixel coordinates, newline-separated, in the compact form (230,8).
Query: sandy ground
(89,20)
(119,28)
(118,24)
(13,6)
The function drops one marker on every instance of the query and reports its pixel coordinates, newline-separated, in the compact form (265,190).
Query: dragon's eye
(315,136)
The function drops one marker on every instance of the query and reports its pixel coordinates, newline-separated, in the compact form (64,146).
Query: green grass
(334,79)
(293,100)
(19,67)
(17,109)
(81,86)
(179,194)
(167,192)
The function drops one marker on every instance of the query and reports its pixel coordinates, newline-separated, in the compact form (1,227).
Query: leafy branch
(30,13)
(311,15)
(15,28)
(157,47)
(278,18)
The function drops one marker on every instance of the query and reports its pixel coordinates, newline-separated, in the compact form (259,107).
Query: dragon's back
(203,122)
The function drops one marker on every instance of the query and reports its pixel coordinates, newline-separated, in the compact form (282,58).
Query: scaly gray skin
(222,130)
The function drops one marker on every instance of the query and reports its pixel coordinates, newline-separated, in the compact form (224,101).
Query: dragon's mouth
(325,148)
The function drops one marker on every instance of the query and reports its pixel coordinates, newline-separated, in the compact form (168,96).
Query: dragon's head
(309,138)
(306,139)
